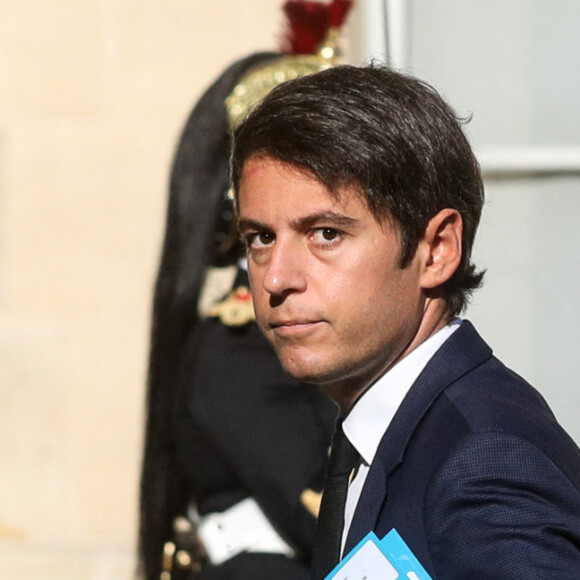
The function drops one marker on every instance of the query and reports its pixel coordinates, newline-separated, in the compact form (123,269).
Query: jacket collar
(462,352)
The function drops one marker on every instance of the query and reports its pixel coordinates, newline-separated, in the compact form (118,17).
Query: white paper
(367,563)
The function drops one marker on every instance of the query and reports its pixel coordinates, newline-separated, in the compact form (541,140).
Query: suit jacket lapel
(462,352)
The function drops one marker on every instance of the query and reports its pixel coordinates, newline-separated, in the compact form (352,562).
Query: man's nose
(285,273)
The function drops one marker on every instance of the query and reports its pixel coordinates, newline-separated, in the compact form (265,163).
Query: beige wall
(92,97)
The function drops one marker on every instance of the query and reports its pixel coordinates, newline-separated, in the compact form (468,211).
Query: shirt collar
(368,420)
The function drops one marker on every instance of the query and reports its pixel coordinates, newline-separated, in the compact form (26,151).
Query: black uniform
(246,429)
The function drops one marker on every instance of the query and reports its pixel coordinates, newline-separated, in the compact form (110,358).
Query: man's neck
(346,392)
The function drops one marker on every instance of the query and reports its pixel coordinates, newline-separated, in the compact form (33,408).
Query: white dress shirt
(370,417)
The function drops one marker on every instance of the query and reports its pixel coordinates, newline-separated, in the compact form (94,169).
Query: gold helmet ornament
(310,45)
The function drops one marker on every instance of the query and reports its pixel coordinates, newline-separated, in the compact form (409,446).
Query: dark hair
(198,187)
(384,133)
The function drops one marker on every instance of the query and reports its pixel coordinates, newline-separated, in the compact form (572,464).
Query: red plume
(339,10)
(309,22)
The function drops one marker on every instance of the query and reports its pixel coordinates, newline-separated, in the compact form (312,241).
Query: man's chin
(309,370)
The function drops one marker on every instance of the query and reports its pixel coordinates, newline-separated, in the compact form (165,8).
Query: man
(358,199)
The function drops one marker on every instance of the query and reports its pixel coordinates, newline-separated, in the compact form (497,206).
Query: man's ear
(441,248)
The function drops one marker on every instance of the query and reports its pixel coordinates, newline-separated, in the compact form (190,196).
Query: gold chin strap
(259,81)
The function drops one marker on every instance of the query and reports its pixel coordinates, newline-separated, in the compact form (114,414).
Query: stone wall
(93,95)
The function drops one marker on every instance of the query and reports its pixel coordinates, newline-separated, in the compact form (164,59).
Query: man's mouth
(291,328)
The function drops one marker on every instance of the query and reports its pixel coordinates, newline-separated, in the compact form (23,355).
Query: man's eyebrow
(328,217)
(245,224)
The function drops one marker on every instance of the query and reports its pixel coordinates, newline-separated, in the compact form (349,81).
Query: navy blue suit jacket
(476,474)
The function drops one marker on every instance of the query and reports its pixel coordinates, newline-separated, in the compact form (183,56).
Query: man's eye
(259,240)
(326,235)
(329,234)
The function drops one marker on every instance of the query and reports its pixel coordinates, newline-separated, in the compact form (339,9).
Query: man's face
(328,291)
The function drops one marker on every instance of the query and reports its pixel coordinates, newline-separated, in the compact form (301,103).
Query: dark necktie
(343,459)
